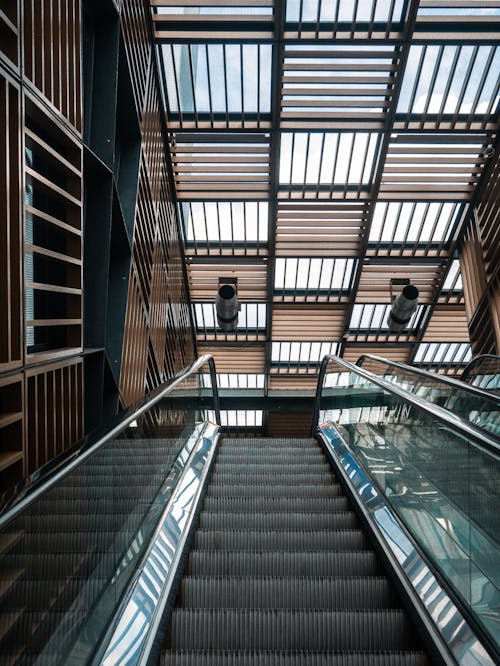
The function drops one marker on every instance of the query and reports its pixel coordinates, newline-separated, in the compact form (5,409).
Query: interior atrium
(319,157)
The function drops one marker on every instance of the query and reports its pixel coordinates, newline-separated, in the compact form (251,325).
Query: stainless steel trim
(459,425)
(443,379)
(91,447)
(137,618)
(453,629)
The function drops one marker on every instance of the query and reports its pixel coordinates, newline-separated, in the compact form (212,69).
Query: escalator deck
(281,573)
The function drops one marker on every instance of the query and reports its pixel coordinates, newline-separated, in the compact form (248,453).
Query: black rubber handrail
(65,464)
(477,361)
(443,379)
(459,425)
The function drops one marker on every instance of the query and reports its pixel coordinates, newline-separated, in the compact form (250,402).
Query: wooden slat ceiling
(320,151)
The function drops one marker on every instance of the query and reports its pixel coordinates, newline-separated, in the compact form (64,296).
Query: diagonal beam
(277,73)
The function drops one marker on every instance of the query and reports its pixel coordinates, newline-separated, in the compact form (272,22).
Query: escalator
(483,372)
(281,571)
(161,542)
(473,403)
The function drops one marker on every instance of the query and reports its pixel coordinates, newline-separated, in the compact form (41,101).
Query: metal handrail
(464,428)
(475,361)
(90,446)
(444,379)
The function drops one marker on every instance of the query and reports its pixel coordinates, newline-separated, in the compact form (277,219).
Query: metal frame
(336,80)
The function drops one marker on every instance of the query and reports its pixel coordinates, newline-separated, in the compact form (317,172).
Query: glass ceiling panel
(218,78)
(301,353)
(226,222)
(399,223)
(373,317)
(236,417)
(451,79)
(333,11)
(235,380)
(314,274)
(219,8)
(453,281)
(252,316)
(333,158)
(443,353)
(449,8)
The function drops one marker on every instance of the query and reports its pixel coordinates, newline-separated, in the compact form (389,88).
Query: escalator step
(294,659)
(300,563)
(270,454)
(267,489)
(291,630)
(273,467)
(284,521)
(292,593)
(273,479)
(58,594)
(280,540)
(275,504)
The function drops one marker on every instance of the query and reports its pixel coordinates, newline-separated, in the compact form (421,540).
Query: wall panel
(52,44)
(54,397)
(480,266)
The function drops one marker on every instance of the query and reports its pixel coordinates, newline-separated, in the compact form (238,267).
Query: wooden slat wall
(52,46)
(54,402)
(41,407)
(135,345)
(12,417)
(138,48)
(157,340)
(480,266)
(9,31)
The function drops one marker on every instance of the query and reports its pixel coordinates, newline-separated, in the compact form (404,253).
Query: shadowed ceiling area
(321,151)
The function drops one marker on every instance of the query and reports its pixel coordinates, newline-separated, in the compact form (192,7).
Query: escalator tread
(281,573)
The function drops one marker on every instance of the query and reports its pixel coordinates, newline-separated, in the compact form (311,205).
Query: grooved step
(39,594)
(280,540)
(292,593)
(272,490)
(270,455)
(313,521)
(300,563)
(275,504)
(274,478)
(275,467)
(290,630)
(294,659)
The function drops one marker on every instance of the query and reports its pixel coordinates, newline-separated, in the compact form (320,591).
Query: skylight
(251,316)
(373,317)
(218,78)
(419,223)
(301,353)
(328,11)
(443,353)
(313,275)
(453,280)
(451,79)
(226,222)
(236,380)
(333,158)
(246,418)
